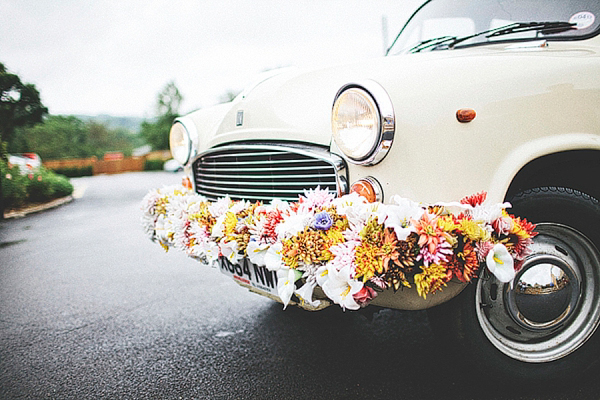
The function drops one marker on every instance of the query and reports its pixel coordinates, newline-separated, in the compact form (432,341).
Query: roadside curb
(20,213)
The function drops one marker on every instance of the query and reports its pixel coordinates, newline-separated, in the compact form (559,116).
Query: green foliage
(74,172)
(36,187)
(153,165)
(156,133)
(14,186)
(67,136)
(20,104)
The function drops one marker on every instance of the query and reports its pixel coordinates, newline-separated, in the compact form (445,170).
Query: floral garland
(350,248)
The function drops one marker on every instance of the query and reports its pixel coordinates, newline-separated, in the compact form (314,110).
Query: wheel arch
(574,169)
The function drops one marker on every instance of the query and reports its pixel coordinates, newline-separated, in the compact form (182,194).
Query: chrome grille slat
(226,189)
(213,183)
(209,176)
(265,172)
(255,162)
(282,169)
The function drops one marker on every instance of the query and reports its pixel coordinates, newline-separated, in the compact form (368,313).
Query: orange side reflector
(186,183)
(465,115)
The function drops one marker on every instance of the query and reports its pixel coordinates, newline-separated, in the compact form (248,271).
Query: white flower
(273,257)
(407,209)
(230,250)
(305,293)
(340,288)
(220,206)
(285,284)
(257,252)
(347,201)
(500,263)
(488,213)
(293,224)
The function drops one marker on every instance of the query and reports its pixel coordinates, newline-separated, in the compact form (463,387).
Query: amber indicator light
(465,115)
(365,189)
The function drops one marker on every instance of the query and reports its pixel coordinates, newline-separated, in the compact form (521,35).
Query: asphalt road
(90,308)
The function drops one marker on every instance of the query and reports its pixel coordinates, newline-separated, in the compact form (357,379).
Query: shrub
(74,172)
(153,165)
(14,186)
(62,186)
(36,187)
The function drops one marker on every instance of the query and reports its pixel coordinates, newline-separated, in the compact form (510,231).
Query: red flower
(474,200)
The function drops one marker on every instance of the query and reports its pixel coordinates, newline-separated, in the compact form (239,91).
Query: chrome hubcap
(553,304)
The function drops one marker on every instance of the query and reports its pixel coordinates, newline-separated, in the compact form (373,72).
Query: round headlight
(362,122)
(180,143)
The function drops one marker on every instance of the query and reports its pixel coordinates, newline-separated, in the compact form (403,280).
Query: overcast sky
(114,56)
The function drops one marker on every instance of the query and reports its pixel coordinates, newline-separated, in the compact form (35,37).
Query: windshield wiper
(425,44)
(542,27)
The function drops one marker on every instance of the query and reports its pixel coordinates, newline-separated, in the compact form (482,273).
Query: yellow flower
(430,280)
(368,261)
(372,233)
(230,223)
(473,230)
(446,223)
(161,206)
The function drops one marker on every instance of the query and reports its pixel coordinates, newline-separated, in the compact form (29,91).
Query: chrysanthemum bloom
(473,230)
(368,261)
(372,232)
(440,254)
(431,279)
(463,264)
(474,200)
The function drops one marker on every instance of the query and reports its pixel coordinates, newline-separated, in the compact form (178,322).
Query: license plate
(250,274)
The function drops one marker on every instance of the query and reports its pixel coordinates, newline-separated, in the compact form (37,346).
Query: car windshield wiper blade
(433,42)
(517,27)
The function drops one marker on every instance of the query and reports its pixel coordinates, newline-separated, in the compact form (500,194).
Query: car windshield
(448,24)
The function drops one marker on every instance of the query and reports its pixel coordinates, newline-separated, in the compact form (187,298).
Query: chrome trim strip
(387,120)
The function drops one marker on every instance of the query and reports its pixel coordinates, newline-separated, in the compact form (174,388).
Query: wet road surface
(90,308)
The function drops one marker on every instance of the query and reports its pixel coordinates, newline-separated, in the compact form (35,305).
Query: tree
(156,133)
(61,136)
(20,104)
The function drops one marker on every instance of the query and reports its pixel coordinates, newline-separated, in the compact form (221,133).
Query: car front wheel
(542,326)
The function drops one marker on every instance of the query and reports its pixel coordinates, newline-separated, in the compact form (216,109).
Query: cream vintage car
(495,96)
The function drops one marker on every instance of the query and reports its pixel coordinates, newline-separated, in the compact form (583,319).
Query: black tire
(545,333)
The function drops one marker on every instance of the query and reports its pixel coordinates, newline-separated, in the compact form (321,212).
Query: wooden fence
(110,166)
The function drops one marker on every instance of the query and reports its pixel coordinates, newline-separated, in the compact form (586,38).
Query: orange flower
(429,232)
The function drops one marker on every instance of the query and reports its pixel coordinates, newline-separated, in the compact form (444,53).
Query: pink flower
(364,296)
(441,252)
(502,225)
(39,178)
(482,249)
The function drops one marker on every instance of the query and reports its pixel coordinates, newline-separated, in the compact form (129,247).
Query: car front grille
(267,172)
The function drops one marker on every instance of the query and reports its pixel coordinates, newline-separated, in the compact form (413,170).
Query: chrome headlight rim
(191,137)
(387,121)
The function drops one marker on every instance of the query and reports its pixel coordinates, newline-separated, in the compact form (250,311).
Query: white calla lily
(285,284)
(500,263)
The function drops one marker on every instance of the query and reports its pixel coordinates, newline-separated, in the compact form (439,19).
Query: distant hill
(131,124)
